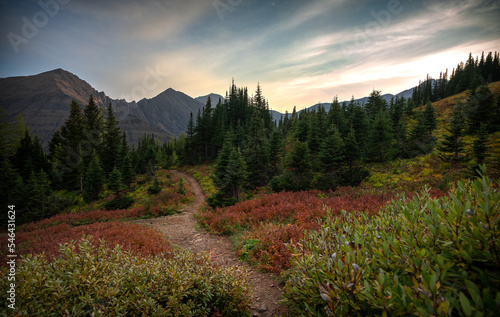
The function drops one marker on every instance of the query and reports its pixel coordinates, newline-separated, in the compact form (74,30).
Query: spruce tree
(430,118)
(452,147)
(479,109)
(93,124)
(115,181)
(127,170)
(111,142)
(480,147)
(331,157)
(380,138)
(94,179)
(72,135)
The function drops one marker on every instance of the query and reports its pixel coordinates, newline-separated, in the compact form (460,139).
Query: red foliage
(276,219)
(142,240)
(88,217)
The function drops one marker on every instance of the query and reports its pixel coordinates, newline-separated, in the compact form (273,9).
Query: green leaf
(464,302)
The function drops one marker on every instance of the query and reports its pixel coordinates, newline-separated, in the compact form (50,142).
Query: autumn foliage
(275,220)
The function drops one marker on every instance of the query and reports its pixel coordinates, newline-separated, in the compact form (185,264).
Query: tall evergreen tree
(452,147)
(380,138)
(479,109)
(93,129)
(111,142)
(480,147)
(430,118)
(68,171)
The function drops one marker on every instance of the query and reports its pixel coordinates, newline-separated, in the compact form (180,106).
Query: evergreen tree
(115,181)
(452,147)
(72,134)
(236,174)
(111,142)
(93,126)
(429,118)
(127,171)
(480,146)
(331,157)
(375,104)
(479,109)
(275,153)
(94,179)
(257,152)
(336,115)
(380,138)
(11,184)
(39,190)
(297,173)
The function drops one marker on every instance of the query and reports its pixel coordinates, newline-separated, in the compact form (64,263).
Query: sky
(300,52)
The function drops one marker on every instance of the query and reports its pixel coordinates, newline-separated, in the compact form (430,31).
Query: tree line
(88,155)
(466,76)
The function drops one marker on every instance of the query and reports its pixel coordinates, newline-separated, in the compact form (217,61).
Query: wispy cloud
(300,52)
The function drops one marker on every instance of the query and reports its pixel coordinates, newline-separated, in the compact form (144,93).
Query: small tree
(452,147)
(115,180)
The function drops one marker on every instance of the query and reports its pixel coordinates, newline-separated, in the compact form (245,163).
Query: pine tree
(452,147)
(11,184)
(236,174)
(430,118)
(480,147)
(331,157)
(375,104)
(479,109)
(380,138)
(93,124)
(127,171)
(275,153)
(257,152)
(72,135)
(111,142)
(94,179)
(115,181)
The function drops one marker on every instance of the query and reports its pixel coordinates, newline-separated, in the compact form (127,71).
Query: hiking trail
(181,229)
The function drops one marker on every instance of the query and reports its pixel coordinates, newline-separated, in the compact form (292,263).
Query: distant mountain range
(44,101)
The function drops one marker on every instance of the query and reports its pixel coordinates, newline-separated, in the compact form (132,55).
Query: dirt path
(182,232)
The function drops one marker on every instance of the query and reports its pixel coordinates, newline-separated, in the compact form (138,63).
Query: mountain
(387,97)
(213,97)
(44,101)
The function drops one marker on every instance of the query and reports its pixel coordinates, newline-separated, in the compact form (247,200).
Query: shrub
(119,202)
(110,282)
(421,257)
(155,188)
(140,239)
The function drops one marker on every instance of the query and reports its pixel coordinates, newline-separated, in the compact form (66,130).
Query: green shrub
(155,188)
(119,202)
(423,257)
(85,281)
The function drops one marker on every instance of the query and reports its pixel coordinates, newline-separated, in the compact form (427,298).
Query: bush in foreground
(423,257)
(86,280)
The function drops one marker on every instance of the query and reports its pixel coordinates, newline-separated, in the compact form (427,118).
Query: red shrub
(142,240)
(274,220)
